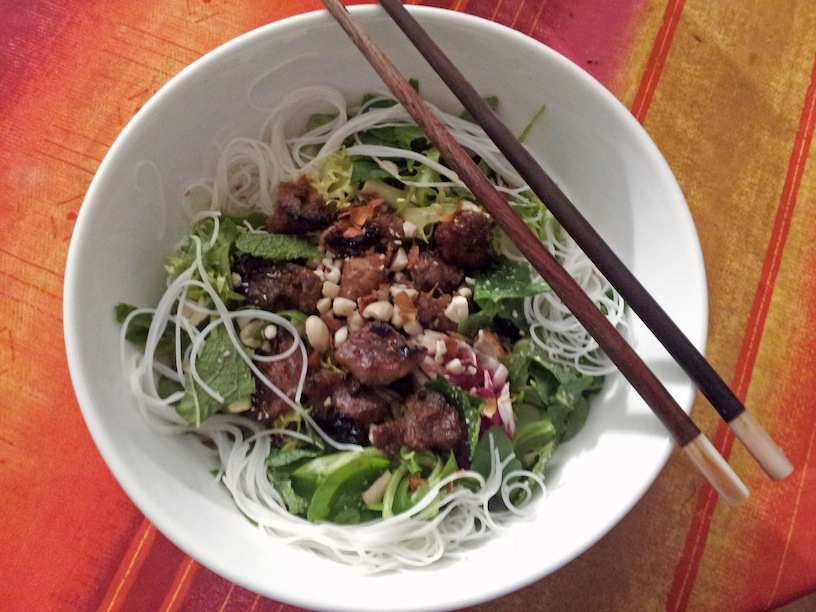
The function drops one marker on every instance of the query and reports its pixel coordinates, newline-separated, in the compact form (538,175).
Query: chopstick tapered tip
(716,470)
(761,446)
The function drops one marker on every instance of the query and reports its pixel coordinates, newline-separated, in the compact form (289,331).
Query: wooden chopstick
(677,422)
(755,439)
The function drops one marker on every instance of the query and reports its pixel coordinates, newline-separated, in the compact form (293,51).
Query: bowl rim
(106,445)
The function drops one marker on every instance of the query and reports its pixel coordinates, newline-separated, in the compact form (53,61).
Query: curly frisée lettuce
(373,364)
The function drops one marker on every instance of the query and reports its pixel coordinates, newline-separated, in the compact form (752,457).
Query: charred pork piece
(431,312)
(431,272)
(428,423)
(377,354)
(299,208)
(278,286)
(342,429)
(465,240)
(362,275)
(346,239)
(389,230)
(284,374)
(360,404)
(319,386)
(345,396)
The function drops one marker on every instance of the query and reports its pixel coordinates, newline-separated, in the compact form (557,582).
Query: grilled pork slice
(465,241)
(299,208)
(431,272)
(377,354)
(278,285)
(428,423)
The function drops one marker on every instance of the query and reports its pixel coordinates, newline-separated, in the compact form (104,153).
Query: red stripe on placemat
(657,59)
(156,578)
(132,562)
(208,591)
(181,584)
(686,570)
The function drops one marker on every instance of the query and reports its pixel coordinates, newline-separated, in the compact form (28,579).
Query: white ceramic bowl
(591,145)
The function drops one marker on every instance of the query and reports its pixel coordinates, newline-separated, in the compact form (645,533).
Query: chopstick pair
(701,452)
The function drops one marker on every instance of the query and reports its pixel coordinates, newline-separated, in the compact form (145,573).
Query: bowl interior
(131,219)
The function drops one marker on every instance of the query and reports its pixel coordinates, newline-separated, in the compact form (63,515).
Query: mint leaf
(294,502)
(276,246)
(222,368)
(139,327)
(470,407)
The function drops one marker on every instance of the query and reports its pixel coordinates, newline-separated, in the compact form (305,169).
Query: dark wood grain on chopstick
(713,387)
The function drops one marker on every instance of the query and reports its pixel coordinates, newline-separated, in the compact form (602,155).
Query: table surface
(726,90)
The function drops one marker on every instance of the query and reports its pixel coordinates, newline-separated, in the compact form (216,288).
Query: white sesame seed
(409,229)
(270,332)
(465,292)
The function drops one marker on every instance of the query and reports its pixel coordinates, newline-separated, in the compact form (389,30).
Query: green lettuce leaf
(499,293)
(281,458)
(505,280)
(558,391)
(276,246)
